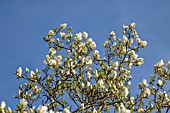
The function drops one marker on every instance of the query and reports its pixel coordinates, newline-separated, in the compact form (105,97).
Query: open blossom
(85,35)
(140,110)
(143,43)
(140,61)
(160,63)
(115,65)
(112,33)
(168,64)
(42,109)
(63,26)
(51,33)
(88,60)
(66,110)
(23,102)
(146,92)
(160,82)
(3,105)
(124,39)
(100,82)
(138,40)
(62,34)
(89,75)
(122,109)
(126,92)
(132,25)
(19,72)
(144,82)
(52,62)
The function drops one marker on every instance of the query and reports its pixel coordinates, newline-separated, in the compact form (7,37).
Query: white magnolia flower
(93,45)
(146,92)
(82,105)
(160,82)
(132,100)
(9,110)
(42,109)
(132,25)
(51,33)
(140,61)
(140,110)
(100,82)
(144,82)
(32,74)
(3,105)
(73,71)
(19,72)
(51,111)
(112,33)
(122,109)
(168,64)
(124,39)
(126,92)
(23,101)
(160,63)
(94,110)
(89,74)
(85,35)
(52,62)
(129,83)
(130,41)
(115,65)
(88,83)
(63,26)
(89,60)
(66,110)
(131,52)
(143,43)
(26,70)
(125,27)
(62,34)
(134,56)
(138,40)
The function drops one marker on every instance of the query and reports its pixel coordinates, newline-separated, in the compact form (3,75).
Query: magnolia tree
(77,79)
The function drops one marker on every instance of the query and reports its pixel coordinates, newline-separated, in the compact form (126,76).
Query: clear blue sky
(23,23)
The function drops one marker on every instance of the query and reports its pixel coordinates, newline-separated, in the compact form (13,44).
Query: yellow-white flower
(140,110)
(160,63)
(146,92)
(126,92)
(138,40)
(85,35)
(19,72)
(66,110)
(3,105)
(144,82)
(160,82)
(143,43)
(132,25)
(112,33)
(51,33)
(63,26)
(42,109)
(168,64)
(23,101)
(62,34)
(115,65)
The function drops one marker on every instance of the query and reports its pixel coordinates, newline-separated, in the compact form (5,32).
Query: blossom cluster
(77,79)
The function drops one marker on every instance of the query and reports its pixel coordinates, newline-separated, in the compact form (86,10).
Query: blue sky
(23,23)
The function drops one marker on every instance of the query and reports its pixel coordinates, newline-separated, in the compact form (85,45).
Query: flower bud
(63,26)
